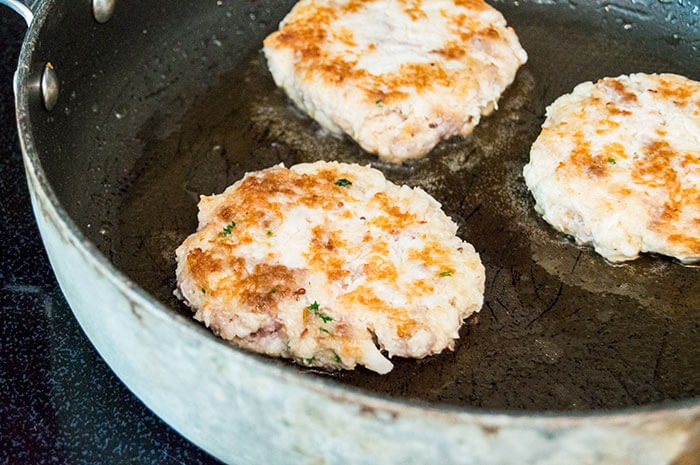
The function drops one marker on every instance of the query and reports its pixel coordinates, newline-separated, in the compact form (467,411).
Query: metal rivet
(49,86)
(102,10)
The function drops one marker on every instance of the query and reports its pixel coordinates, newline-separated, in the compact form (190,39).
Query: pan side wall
(248,413)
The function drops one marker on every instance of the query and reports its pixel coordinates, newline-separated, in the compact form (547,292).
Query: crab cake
(329,264)
(617,165)
(398,76)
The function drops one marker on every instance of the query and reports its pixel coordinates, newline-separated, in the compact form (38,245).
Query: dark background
(59,401)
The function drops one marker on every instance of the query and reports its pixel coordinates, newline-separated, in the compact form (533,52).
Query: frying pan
(129,110)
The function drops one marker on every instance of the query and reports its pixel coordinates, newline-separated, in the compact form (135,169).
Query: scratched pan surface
(560,329)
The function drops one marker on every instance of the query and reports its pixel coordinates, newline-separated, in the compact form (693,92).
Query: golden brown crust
(681,93)
(582,160)
(617,86)
(202,264)
(306,35)
(366,297)
(268,285)
(290,262)
(655,171)
(635,140)
(256,205)
(326,253)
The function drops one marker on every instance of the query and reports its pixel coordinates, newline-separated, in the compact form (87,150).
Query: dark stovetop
(59,401)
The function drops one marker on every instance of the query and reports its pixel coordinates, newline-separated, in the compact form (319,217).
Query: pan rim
(333,390)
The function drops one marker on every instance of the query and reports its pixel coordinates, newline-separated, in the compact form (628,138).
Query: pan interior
(560,329)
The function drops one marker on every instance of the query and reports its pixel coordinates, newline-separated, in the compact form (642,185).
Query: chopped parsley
(204,291)
(228,228)
(268,232)
(378,101)
(612,161)
(445,274)
(337,359)
(324,330)
(308,361)
(314,309)
(343,183)
(273,290)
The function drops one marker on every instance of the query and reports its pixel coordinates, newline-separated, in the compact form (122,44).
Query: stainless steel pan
(129,110)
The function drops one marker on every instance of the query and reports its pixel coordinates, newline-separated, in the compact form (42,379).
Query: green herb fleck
(273,290)
(343,183)
(445,274)
(324,330)
(337,359)
(612,161)
(204,291)
(378,101)
(268,232)
(308,361)
(314,308)
(228,228)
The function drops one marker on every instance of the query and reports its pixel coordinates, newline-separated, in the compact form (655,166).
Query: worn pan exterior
(247,410)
